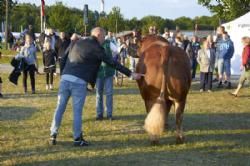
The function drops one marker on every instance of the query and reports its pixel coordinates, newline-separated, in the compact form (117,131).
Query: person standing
(80,68)
(195,46)
(62,44)
(245,66)
(49,62)
(28,52)
(206,60)
(105,81)
(132,53)
(224,53)
(31,32)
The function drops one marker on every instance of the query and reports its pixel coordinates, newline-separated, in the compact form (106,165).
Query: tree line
(67,19)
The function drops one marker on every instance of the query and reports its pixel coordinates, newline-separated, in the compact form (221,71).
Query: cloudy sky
(139,8)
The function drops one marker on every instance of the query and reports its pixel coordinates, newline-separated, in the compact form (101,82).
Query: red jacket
(245,54)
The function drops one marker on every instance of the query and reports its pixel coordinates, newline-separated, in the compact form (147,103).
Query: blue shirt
(72,78)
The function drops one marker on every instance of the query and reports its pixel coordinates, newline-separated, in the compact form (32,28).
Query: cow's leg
(179,109)
(168,107)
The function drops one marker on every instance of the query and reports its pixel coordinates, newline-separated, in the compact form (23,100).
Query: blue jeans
(227,67)
(220,64)
(107,84)
(194,67)
(78,93)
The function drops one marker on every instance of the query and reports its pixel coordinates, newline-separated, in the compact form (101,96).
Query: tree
(3,8)
(23,15)
(156,21)
(134,23)
(59,17)
(227,9)
(184,23)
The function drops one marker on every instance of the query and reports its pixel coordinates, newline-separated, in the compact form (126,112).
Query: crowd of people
(95,59)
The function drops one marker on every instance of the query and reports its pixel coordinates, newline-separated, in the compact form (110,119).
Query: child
(49,62)
(28,52)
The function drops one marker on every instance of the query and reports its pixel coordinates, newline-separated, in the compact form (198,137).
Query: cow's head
(147,41)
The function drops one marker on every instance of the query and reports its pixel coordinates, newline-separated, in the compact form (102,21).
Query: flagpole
(41,13)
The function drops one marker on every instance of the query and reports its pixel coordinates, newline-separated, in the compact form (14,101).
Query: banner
(237,29)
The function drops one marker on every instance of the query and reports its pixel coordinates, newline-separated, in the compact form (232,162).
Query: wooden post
(6,24)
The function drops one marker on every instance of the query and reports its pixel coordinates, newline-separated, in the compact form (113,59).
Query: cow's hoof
(180,140)
(155,142)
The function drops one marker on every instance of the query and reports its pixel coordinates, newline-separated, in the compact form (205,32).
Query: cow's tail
(155,120)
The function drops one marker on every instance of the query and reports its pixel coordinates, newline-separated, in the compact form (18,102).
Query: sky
(139,8)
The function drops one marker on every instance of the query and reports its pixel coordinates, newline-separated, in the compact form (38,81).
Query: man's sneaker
(47,87)
(99,118)
(1,95)
(229,86)
(215,80)
(51,87)
(220,85)
(53,139)
(80,142)
(201,90)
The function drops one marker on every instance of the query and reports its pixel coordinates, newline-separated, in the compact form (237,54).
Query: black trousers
(31,70)
(206,80)
(49,78)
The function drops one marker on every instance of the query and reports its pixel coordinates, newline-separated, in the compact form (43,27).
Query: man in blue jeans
(80,66)
(224,53)
(105,82)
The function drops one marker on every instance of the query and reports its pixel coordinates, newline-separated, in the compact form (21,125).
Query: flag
(42,8)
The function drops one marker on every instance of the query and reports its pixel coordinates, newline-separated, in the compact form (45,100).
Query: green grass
(7,55)
(217,130)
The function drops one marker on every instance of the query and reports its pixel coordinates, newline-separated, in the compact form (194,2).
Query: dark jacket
(84,59)
(105,70)
(61,46)
(19,65)
(49,61)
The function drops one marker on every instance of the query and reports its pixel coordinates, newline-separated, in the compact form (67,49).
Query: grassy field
(216,125)
(7,55)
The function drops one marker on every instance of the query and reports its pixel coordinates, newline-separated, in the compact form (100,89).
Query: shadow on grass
(215,136)
(195,87)
(139,152)
(16,113)
(131,91)
(29,95)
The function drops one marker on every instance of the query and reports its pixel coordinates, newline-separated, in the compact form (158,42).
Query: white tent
(237,29)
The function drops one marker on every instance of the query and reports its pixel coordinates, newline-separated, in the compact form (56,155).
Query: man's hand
(136,76)
(241,67)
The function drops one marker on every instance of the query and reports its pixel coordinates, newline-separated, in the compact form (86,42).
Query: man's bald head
(99,33)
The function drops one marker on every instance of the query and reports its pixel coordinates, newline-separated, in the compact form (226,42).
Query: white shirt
(208,53)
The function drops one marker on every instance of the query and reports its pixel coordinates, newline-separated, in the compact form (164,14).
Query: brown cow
(167,81)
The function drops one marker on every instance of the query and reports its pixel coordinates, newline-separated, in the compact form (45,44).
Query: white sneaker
(47,87)
(51,87)
(201,90)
